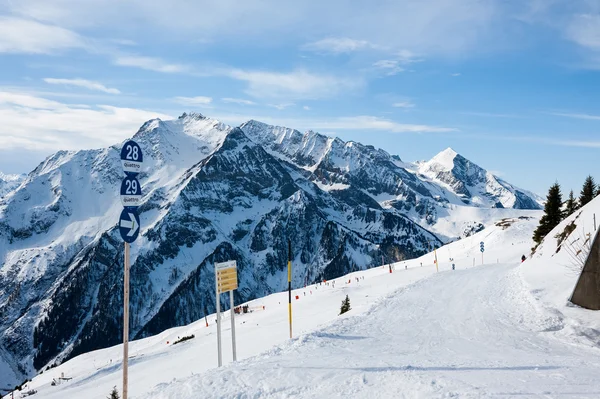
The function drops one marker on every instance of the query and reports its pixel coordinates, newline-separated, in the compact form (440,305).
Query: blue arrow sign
(129,225)
(131,192)
(482,250)
(132,157)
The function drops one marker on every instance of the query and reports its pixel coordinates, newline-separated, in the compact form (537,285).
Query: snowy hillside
(9,183)
(211,193)
(472,331)
(554,269)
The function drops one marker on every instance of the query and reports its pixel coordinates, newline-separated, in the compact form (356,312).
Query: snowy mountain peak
(473,184)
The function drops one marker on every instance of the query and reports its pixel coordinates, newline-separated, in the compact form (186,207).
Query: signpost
(290,284)
(225,280)
(482,249)
(129,227)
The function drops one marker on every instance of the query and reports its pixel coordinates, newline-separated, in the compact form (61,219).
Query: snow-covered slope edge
(554,269)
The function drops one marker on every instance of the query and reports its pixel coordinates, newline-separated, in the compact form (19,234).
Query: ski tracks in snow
(472,333)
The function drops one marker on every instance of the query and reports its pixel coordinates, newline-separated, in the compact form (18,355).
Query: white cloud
(391,67)
(403,104)
(577,116)
(455,74)
(33,123)
(490,115)
(239,101)
(432,26)
(192,101)
(584,30)
(365,122)
(26,36)
(306,108)
(150,63)
(338,45)
(298,84)
(282,106)
(88,84)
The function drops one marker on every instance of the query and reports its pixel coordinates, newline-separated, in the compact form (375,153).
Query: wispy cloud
(391,67)
(440,26)
(403,104)
(35,123)
(366,122)
(584,30)
(455,74)
(490,115)
(282,106)
(25,36)
(240,101)
(151,64)
(298,84)
(576,116)
(306,108)
(87,84)
(397,63)
(193,101)
(338,45)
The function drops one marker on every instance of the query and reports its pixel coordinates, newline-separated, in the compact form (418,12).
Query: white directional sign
(129,225)
(131,192)
(132,158)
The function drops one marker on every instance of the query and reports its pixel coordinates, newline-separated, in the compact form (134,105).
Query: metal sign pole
(126,321)
(290,284)
(232,326)
(218,320)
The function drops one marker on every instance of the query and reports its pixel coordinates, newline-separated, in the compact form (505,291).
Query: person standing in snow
(523,258)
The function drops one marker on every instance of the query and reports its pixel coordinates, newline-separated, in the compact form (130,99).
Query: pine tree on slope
(114,394)
(588,192)
(552,213)
(570,205)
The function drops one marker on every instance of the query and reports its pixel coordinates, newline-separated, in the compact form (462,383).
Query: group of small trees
(555,210)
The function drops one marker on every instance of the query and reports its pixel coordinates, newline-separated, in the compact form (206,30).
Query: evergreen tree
(588,192)
(552,214)
(345,305)
(570,205)
(114,394)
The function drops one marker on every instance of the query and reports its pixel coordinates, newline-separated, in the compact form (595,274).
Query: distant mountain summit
(474,185)
(212,193)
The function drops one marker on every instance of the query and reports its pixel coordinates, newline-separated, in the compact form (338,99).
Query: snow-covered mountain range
(212,193)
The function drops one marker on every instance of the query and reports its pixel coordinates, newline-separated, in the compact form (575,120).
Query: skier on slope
(523,258)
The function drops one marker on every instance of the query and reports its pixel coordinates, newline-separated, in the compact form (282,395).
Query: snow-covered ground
(472,332)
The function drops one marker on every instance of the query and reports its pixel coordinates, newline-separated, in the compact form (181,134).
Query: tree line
(555,210)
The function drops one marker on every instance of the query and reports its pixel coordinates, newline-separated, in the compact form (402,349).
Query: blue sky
(512,85)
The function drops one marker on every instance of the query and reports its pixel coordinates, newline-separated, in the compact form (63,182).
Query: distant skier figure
(453,266)
(523,258)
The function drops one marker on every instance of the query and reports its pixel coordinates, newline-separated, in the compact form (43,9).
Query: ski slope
(471,332)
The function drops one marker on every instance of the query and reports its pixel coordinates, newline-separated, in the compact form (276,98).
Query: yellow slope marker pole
(290,284)
(436,259)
